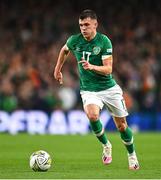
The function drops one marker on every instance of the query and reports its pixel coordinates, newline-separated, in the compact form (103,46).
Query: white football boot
(107,153)
(133,161)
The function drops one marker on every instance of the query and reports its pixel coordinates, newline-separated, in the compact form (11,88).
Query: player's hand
(58,76)
(86,65)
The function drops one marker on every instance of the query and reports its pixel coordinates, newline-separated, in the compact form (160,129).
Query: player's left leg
(127,138)
(114,101)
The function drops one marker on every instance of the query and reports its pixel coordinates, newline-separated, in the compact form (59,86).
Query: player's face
(88,27)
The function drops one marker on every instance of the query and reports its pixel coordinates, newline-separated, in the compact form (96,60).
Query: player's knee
(122,127)
(93,116)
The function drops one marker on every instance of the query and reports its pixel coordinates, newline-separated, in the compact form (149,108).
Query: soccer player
(93,52)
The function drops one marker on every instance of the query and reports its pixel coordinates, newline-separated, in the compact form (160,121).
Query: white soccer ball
(40,161)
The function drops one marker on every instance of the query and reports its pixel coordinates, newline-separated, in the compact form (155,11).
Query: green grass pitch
(78,157)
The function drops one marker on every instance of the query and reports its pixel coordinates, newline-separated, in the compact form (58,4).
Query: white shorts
(112,98)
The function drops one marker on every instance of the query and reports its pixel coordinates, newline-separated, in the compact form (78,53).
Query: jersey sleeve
(69,42)
(107,47)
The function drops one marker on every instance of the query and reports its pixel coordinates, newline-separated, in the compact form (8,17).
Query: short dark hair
(88,13)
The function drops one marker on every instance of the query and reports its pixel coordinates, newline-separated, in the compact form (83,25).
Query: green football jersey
(93,51)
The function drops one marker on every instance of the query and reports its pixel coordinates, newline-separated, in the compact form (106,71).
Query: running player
(93,52)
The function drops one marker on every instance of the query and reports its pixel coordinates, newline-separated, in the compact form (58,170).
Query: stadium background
(31,35)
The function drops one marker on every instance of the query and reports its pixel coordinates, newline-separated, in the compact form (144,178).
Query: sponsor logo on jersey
(78,48)
(96,50)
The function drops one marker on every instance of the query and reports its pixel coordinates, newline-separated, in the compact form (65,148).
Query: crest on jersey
(96,50)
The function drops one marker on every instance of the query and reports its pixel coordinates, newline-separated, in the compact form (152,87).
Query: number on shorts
(123,104)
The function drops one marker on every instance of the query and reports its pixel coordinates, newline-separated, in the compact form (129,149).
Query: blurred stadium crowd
(32,33)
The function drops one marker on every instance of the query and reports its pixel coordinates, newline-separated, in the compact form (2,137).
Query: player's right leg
(92,112)
(92,106)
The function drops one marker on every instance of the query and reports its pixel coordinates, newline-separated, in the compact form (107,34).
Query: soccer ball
(40,161)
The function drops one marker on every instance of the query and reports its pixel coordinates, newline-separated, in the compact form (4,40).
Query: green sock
(127,138)
(98,130)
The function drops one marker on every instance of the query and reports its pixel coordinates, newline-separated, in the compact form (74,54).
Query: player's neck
(91,37)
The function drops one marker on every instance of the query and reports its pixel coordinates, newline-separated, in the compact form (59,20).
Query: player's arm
(105,69)
(64,52)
